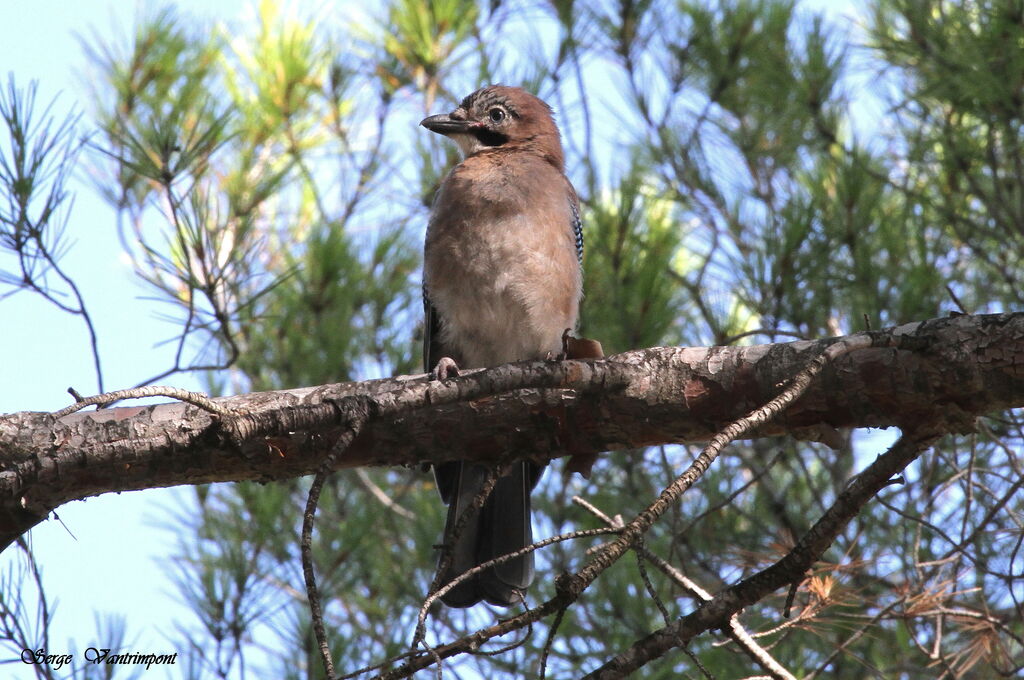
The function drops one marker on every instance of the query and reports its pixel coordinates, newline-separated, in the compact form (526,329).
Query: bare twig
(312,592)
(379,494)
(195,398)
(808,549)
(853,638)
(445,561)
(483,566)
(641,551)
(757,417)
(735,630)
(550,640)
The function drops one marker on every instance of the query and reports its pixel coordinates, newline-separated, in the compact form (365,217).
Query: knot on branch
(569,586)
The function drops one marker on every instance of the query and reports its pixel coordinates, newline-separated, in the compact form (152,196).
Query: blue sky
(112,564)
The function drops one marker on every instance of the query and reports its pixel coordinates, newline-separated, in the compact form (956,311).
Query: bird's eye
(496,115)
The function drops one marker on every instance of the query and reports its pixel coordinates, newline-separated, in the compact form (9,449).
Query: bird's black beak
(444,124)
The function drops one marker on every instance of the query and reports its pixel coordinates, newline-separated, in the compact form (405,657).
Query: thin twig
(735,630)
(550,640)
(808,549)
(440,592)
(640,550)
(379,494)
(195,398)
(755,418)
(312,592)
(853,638)
(447,550)
(956,300)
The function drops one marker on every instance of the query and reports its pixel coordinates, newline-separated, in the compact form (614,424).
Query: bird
(502,282)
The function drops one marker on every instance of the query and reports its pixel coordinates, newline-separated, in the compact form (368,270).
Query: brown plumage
(502,282)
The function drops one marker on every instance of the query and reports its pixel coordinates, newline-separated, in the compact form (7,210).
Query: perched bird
(501,282)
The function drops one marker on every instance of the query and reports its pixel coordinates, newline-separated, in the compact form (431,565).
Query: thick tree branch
(943,371)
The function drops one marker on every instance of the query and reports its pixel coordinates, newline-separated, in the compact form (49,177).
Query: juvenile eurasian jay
(501,283)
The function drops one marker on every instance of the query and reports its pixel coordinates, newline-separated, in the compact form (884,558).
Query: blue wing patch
(577,229)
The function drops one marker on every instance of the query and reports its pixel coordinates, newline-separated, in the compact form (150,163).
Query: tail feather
(500,527)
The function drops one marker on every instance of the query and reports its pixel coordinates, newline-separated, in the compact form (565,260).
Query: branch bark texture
(946,371)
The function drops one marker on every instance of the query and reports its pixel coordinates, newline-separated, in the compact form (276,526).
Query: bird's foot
(445,368)
(561,356)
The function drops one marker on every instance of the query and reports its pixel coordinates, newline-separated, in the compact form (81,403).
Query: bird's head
(501,117)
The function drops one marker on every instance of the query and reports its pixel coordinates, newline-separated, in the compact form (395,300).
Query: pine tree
(751,172)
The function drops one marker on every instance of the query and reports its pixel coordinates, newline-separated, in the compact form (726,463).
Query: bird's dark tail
(500,527)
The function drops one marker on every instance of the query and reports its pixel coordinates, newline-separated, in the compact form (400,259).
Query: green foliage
(961,67)
(258,247)
(161,87)
(422,37)
(36,161)
(633,240)
(273,187)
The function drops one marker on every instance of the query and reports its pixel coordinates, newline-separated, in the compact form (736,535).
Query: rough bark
(941,371)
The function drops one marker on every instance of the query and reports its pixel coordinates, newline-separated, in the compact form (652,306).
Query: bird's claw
(564,354)
(446,368)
